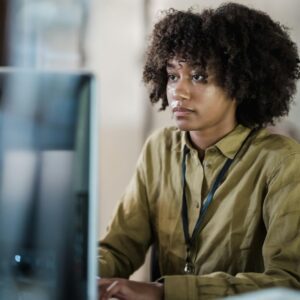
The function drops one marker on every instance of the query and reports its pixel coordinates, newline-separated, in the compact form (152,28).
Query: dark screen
(44,177)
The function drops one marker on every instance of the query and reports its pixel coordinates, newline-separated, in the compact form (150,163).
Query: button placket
(208,169)
(194,177)
(207,164)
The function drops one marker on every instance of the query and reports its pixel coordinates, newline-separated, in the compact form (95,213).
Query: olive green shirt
(250,237)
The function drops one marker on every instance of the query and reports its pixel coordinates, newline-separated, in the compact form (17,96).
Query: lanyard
(189,240)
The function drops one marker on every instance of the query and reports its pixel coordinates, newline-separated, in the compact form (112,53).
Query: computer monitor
(48,183)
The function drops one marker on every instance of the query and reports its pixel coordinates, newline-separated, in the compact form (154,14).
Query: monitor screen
(47,186)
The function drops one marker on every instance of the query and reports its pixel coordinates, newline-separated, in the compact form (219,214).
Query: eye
(198,78)
(172,77)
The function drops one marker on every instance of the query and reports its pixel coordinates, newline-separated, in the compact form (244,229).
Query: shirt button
(207,164)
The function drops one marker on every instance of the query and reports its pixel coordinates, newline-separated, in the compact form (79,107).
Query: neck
(202,139)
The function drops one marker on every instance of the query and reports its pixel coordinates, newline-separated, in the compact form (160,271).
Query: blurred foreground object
(44,34)
(47,186)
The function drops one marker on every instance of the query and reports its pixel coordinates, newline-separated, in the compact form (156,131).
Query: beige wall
(114,53)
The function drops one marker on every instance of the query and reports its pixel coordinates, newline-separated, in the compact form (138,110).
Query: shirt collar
(232,142)
(228,145)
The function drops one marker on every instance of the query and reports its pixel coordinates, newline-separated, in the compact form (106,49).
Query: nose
(181,90)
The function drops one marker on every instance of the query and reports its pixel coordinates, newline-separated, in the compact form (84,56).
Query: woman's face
(197,103)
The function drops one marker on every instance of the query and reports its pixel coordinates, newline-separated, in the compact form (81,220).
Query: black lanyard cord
(189,240)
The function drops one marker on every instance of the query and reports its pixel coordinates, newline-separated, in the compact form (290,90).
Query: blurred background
(109,38)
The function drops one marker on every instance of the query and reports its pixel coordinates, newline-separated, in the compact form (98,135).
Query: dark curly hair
(251,56)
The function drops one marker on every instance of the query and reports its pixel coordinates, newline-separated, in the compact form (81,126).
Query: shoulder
(277,152)
(162,145)
(276,144)
(165,138)
(158,152)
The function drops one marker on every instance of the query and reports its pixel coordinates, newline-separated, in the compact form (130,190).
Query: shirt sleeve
(281,249)
(129,235)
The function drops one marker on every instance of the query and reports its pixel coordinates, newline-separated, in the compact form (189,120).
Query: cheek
(170,92)
(170,89)
(210,97)
(211,93)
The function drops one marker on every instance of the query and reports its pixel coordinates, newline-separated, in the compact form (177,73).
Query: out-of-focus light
(18,258)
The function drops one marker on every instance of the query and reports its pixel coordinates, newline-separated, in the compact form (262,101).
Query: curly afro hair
(252,57)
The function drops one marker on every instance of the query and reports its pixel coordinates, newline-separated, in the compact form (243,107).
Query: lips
(181,111)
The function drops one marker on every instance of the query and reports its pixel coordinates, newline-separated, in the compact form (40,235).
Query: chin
(183,127)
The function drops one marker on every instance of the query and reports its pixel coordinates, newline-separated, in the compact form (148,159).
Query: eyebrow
(173,66)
